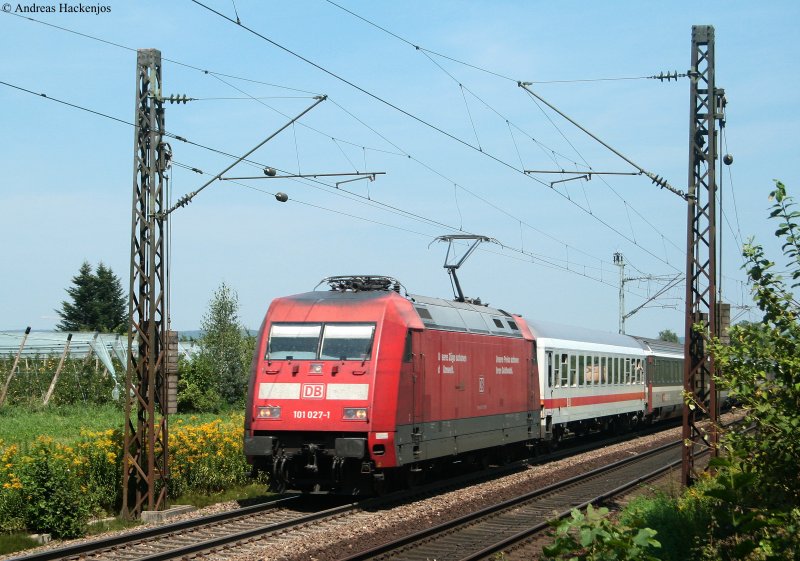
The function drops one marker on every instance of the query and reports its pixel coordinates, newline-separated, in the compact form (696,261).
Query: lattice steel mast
(701,258)
(145,472)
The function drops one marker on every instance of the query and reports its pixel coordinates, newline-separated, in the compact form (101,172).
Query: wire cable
(218,76)
(412,116)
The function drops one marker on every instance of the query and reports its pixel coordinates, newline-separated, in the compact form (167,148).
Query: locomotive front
(323,389)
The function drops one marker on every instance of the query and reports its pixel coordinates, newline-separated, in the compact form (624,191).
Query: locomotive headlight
(355,414)
(271,412)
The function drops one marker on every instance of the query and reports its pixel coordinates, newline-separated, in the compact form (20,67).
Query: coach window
(549,360)
(573,366)
(639,370)
(603,372)
(627,371)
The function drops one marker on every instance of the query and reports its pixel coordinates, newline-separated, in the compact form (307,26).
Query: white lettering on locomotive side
(506,359)
(503,370)
(448,370)
(451,357)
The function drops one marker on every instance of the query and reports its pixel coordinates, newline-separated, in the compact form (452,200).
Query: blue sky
(67,176)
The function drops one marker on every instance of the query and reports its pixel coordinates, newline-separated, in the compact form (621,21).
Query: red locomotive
(359,385)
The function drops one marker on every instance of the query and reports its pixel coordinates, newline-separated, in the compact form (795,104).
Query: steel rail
(440,529)
(93,546)
(529,533)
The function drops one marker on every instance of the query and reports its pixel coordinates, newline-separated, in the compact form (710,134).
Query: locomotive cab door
(418,391)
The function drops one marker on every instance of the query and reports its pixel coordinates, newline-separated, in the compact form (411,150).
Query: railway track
(177,540)
(484,533)
(234,532)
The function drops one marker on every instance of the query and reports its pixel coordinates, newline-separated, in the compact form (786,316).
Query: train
(363,386)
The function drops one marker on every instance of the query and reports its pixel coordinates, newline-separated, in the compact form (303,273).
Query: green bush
(197,386)
(682,523)
(53,487)
(594,537)
(54,500)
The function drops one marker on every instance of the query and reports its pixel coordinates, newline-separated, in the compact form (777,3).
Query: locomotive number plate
(312,414)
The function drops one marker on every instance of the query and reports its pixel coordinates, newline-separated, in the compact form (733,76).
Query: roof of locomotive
(433,313)
(550,330)
(449,315)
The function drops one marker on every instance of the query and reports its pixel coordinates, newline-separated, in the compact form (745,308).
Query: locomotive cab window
(317,341)
(347,341)
(294,341)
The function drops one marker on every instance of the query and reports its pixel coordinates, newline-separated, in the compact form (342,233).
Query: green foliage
(54,483)
(758,492)
(80,382)
(594,537)
(681,522)
(668,335)
(208,457)
(54,500)
(217,376)
(197,387)
(97,302)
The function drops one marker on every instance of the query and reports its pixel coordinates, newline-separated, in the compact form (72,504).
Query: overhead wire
(586,163)
(473,66)
(418,119)
(219,75)
(197,170)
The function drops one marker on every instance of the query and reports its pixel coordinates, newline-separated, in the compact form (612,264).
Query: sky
(426,96)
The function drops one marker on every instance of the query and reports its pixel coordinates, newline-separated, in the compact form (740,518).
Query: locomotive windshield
(298,341)
(314,341)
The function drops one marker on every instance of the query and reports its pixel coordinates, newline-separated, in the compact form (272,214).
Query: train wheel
(279,480)
(414,477)
(558,434)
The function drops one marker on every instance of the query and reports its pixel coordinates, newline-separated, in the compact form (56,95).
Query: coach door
(534,399)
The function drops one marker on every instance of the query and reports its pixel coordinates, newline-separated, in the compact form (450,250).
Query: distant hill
(195,334)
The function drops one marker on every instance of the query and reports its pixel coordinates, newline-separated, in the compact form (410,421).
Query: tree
(668,335)
(758,477)
(97,302)
(219,373)
(112,313)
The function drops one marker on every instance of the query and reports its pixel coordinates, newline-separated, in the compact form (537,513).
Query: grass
(21,425)
(246,495)
(111,525)
(9,543)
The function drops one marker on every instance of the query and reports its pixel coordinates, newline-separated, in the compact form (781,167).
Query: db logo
(313,391)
